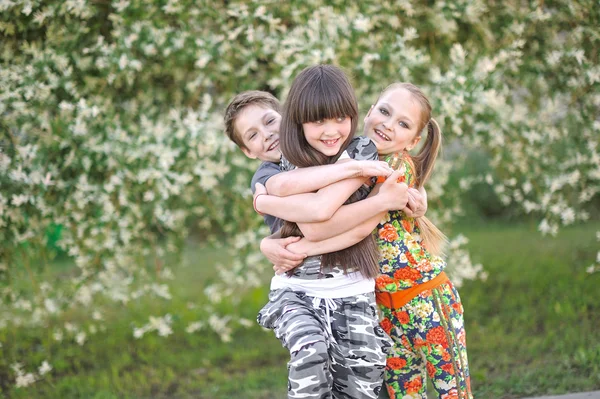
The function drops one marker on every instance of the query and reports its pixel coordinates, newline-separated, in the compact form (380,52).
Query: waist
(338,287)
(395,300)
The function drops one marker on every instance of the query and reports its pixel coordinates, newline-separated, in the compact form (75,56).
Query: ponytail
(432,238)
(426,157)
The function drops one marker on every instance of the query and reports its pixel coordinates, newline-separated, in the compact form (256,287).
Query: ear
(248,153)
(368,113)
(414,143)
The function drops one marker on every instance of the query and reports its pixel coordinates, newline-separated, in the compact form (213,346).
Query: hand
(373,168)
(395,194)
(417,204)
(275,249)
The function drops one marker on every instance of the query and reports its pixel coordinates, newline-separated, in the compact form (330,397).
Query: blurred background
(129,263)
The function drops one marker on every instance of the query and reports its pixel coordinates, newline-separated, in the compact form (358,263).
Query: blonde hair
(432,238)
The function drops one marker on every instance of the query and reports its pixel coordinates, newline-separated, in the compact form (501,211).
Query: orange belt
(395,300)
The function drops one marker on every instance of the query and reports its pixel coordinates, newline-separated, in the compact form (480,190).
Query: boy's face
(258,127)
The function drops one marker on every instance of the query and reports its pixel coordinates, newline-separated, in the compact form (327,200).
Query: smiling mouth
(383,136)
(330,143)
(273,145)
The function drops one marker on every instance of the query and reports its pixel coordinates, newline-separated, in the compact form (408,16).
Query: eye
(403,124)
(384,111)
(252,136)
(270,121)
(340,119)
(319,122)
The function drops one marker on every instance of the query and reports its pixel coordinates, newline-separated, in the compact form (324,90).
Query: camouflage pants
(337,350)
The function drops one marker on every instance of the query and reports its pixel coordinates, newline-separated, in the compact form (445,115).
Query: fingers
(393,178)
(410,206)
(283,268)
(375,168)
(289,240)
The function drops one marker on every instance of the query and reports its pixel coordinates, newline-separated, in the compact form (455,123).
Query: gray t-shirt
(265,171)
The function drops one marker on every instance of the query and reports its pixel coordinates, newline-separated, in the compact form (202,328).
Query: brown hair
(318,92)
(323,92)
(241,101)
(432,238)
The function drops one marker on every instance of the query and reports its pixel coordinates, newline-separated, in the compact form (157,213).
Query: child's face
(258,127)
(328,135)
(392,123)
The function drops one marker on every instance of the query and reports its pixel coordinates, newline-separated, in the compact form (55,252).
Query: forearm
(304,208)
(306,180)
(339,242)
(309,207)
(346,218)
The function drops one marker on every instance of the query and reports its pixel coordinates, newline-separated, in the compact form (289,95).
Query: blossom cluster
(111,119)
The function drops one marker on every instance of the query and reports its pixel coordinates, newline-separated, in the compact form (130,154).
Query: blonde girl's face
(392,123)
(328,135)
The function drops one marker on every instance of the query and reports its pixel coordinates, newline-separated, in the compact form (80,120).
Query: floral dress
(427,325)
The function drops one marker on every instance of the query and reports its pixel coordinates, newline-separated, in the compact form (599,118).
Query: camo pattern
(337,347)
(310,269)
(337,350)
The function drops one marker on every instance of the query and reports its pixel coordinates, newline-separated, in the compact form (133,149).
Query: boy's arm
(332,244)
(306,180)
(417,203)
(275,249)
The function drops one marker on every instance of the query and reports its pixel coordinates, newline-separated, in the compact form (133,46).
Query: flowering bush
(111,125)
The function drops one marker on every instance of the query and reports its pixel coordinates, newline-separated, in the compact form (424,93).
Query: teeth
(378,132)
(273,145)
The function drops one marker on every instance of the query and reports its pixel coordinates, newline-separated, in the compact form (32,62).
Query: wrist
(352,169)
(381,205)
(256,205)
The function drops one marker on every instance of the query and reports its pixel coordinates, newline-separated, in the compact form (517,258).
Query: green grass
(533,328)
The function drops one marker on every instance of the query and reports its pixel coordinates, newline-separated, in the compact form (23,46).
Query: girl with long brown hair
(324,311)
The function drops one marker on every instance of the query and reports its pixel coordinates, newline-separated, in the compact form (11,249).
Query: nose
(267,134)
(386,125)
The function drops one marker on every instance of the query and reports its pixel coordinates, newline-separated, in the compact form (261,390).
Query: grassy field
(533,328)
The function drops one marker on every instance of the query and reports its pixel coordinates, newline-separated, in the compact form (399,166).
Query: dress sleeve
(408,176)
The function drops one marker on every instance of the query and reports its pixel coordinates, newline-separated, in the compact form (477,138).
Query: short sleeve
(362,148)
(265,171)
(408,176)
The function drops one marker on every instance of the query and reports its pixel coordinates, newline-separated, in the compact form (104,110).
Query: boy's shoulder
(362,148)
(265,171)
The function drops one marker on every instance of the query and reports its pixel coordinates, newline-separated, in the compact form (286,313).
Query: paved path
(583,395)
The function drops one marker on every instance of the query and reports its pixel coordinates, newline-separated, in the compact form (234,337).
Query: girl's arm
(390,197)
(310,207)
(332,244)
(306,180)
